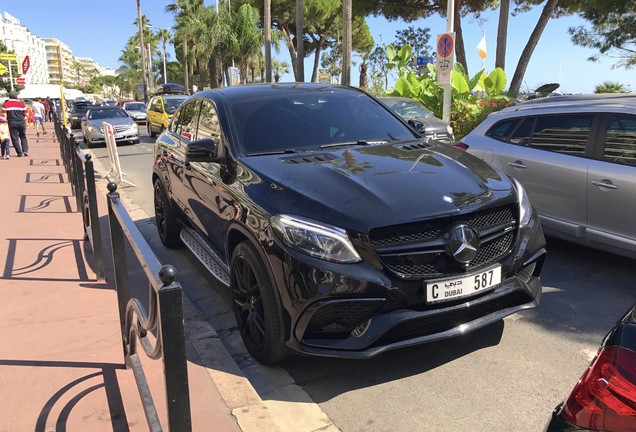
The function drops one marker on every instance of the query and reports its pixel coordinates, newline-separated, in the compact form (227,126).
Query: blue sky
(99,29)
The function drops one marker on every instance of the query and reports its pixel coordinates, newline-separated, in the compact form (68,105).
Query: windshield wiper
(273,152)
(350,143)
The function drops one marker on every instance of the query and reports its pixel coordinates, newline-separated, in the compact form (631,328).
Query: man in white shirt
(39,112)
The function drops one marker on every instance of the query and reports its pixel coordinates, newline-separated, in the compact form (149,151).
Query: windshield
(97,114)
(171,104)
(137,106)
(408,109)
(298,121)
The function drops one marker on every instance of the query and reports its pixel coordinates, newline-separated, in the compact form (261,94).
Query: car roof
(581,103)
(266,90)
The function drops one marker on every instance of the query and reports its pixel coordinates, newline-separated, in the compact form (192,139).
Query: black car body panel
(396,202)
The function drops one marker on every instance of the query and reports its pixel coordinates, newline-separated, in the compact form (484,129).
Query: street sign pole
(10,75)
(450,28)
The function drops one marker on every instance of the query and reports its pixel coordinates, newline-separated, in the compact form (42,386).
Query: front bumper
(98,137)
(355,311)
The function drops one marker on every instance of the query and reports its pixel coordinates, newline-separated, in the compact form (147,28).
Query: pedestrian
(5,136)
(46,109)
(30,117)
(15,112)
(51,108)
(38,114)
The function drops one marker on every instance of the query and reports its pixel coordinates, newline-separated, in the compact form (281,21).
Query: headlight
(525,208)
(321,241)
(134,127)
(449,129)
(91,129)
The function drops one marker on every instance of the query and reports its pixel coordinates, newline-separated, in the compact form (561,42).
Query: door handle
(604,183)
(517,164)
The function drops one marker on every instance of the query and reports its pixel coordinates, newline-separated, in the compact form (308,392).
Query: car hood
(119,121)
(363,188)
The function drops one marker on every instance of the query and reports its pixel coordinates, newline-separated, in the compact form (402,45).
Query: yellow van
(161,108)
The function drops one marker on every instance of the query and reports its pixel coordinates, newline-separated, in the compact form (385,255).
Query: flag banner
(481,46)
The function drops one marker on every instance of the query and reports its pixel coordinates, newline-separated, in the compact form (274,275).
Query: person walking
(46,109)
(51,108)
(38,112)
(15,112)
(5,136)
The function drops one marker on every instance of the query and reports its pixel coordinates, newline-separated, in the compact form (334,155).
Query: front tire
(256,308)
(150,131)
(167,225)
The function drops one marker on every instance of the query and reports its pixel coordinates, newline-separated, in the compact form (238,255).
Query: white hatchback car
(576,158)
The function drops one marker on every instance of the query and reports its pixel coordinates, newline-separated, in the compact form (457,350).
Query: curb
(286,407)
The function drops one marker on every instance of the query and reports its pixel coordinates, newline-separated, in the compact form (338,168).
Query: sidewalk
(61,360)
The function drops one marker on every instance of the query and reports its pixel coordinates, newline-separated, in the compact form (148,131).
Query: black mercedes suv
(338,229)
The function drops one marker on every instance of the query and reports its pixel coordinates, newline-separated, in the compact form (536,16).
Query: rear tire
(167,225)
(256,308)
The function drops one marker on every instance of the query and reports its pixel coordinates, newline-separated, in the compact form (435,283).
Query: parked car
(421,118)
(126,129)
(604,398)
(338,229)
(78,113)
(577,160)
(136,110)
(160,110)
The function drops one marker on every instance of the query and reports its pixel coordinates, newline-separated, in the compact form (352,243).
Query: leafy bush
(472,98)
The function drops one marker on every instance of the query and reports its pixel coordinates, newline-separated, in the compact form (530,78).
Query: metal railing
(81,173)
(165,315)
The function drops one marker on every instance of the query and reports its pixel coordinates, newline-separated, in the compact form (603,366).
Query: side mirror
(203,150)
(417,125)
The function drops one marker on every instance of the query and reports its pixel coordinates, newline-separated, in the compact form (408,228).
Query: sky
(99,29)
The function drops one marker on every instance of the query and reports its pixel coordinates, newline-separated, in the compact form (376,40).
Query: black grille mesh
(434,262)
(430,229)
(339,317)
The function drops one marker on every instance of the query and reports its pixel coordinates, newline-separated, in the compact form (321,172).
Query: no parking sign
(445,57)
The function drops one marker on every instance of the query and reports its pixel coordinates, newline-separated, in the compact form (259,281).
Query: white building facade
(22,42)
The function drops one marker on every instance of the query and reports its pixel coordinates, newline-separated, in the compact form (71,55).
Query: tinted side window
(562,134)
(208,122)
(155,104)
(521,136)
(620,141)
(187,123)
(502,130)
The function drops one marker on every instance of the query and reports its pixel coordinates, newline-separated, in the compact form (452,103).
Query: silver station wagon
(576,158)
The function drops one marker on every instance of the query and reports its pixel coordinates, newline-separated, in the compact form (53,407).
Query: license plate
(119,135)
(442,290)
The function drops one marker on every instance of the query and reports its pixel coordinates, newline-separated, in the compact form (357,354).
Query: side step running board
(206,255)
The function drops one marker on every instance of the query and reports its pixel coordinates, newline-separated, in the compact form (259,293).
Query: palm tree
(187,14)
(300,40)
(267,28)
(249,37)
(279,68)
(78,68)
(610,87)
(166,37)
(346,42)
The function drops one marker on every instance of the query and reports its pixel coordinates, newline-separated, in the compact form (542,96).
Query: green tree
(279,68)
(612,32)
(610,87)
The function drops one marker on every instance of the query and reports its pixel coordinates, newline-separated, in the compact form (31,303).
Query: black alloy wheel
(165,218)
(255,306)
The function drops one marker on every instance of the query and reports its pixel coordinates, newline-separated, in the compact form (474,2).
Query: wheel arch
(236,234)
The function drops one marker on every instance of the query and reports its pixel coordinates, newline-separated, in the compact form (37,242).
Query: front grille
(429,259)
(341,317)
(438,323)
(120,128)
